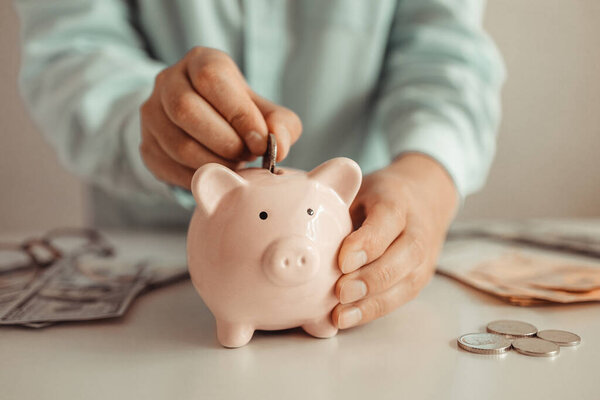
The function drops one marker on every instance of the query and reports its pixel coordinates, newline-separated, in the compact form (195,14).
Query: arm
(439,89)
(438,104)
(84,75)
(124,121)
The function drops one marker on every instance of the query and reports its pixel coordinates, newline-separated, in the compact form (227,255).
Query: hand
(404,212)
(202,110)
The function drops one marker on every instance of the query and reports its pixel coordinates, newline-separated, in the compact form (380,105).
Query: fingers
(178,145)
(198,118)
(218,80)
(202,110)
(281,121)
(161,165)
(383,223)
(406,254)
(349,315)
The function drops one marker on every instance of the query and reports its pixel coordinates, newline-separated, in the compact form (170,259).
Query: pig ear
(341,174)
(211,182)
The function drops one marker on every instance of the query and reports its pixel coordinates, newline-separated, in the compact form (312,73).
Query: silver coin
(535,347)
(270,156)
(484,343)
(561,338)
(511,328)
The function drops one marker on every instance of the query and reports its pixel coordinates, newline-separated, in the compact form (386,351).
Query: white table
(165,348)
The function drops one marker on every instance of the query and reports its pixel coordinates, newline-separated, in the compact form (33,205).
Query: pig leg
(321,327)
(233,334)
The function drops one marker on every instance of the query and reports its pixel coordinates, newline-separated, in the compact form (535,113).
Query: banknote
(67,292)
(12,284)
(81,287)
(573,239)
(540,272)
(160,272)
(521,274)
(165,273)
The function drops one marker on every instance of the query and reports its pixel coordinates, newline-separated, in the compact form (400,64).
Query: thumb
(282,122)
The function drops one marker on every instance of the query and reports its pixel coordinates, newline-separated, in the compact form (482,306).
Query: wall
(547,164)
(548,159)
(36,193)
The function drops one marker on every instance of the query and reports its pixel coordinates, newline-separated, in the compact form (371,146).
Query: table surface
(165,347)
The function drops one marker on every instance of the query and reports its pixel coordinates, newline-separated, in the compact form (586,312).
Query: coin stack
(503,335)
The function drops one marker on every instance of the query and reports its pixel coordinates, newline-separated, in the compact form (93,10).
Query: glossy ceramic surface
(262,247)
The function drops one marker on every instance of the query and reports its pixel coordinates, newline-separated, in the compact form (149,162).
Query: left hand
(403,213)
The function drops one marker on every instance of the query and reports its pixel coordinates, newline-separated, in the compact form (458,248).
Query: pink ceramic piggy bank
(262,247)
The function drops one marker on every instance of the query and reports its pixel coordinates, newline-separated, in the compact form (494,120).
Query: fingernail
(353,261)
(349,317)
(256,142)
(284,139)
(352,291)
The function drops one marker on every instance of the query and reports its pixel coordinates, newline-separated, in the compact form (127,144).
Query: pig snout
(291,261)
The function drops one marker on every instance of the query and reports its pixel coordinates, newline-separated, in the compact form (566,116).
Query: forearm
(439,91)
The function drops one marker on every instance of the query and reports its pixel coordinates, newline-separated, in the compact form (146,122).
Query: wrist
(430,179)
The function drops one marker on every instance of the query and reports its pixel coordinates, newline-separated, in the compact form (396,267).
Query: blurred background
(548,156)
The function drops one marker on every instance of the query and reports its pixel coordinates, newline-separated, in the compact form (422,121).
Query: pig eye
(263,215)
(310,211)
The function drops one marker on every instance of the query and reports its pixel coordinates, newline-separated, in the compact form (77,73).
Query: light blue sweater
(370,79)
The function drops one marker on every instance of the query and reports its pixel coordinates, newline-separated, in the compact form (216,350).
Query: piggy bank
(262,247)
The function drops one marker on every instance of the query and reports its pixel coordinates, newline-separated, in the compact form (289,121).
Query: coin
(484,343)
(535,347)
(561,338)
(511,328)
(270,155)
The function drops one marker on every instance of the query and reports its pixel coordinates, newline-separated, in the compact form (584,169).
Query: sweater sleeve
(84,75)
(439,91)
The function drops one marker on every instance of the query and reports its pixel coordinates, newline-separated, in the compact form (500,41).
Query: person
(135,96)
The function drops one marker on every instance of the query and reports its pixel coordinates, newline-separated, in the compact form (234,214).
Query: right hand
(202,110)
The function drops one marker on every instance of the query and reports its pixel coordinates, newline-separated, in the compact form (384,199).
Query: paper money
(519,274)
(159,272)
(12,284)
(542,277)
(574,240)
(166,273)
(65,292)
(80,288)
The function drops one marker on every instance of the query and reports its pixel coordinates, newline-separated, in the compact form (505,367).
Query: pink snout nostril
(290,261)
(293,260)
